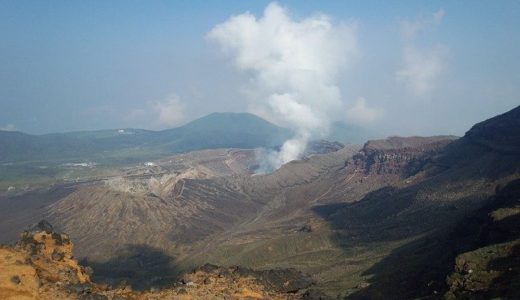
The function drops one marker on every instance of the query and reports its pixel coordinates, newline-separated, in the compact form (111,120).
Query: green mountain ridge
(217,130)
(126,145)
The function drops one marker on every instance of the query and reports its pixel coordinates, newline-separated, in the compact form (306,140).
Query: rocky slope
(374,222)
(41,266)
(488,241)
(420,213)
(371,224)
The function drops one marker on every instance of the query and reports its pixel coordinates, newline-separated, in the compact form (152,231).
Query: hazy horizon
(407,68)
(360,149)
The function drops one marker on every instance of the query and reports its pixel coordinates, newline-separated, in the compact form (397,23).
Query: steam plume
(293,66)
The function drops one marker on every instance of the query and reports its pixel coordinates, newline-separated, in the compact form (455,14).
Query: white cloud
(409,29)
(136,114)
(438,16)
(8,127)
(293,66)
(421,67)
(360,113)
(166,113)
(171,111)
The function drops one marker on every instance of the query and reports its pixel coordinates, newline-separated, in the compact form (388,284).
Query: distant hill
(224,130)
(217,130)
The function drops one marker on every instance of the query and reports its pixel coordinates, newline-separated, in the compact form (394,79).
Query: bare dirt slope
(365,222)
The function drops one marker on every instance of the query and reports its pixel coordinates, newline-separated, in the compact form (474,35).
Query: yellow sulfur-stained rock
(41,266)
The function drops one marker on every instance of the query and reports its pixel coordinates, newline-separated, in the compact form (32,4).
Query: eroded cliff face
(42,266)
(398,157)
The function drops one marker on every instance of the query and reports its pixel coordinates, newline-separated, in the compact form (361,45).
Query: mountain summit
(217,130)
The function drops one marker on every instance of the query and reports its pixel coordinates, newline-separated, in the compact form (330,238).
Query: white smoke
(422,66)
(293,66)
(171,111)
(361,113)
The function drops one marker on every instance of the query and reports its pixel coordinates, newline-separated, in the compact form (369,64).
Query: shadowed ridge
(424,218)
(140,266)
(500,133)
(480,252)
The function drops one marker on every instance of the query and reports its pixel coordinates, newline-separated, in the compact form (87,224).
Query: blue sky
(76,65)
